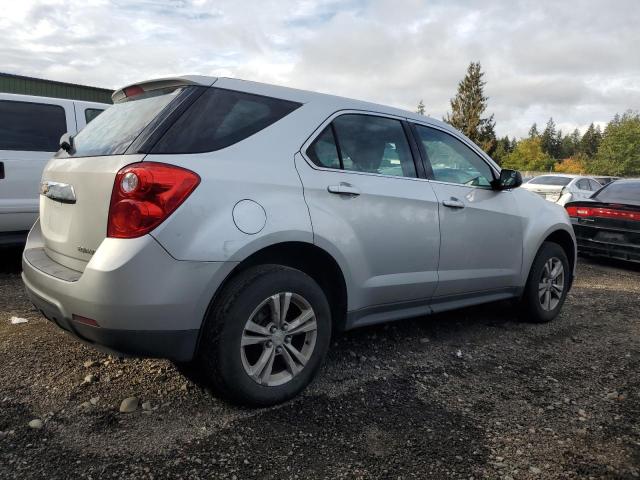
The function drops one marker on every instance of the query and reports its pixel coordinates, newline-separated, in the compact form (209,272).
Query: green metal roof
(10,83)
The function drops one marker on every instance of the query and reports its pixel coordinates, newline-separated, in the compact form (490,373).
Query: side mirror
(66,142)
(508,179)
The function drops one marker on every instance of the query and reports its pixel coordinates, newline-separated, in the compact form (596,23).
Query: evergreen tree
(549,140)
(420,110)
(533,131)
(467,108)
(503,148)
(591,141)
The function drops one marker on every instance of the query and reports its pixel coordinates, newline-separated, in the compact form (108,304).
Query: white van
(30,131)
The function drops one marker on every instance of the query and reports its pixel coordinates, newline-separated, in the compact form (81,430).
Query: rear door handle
(1,170)
(453,203)
(343,189)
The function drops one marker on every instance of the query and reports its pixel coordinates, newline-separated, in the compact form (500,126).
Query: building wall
(10,83)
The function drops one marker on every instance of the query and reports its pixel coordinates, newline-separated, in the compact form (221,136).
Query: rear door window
(221,118)
(27,126)
(364,143)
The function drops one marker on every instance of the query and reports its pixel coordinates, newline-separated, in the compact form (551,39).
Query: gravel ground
(468,394)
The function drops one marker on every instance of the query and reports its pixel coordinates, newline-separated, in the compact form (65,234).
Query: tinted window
(620,192)
(91,113)
(551,180)
(323,151)
(452,161)
(373,145)
(220,118)
(31,126)
(111,132)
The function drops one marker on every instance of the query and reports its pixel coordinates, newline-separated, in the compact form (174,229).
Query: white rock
(89,363)
(94,400)
(17,320)
(146,406)
(36,423)
(535,470)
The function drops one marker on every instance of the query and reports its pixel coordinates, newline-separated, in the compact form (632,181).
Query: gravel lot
(468,394)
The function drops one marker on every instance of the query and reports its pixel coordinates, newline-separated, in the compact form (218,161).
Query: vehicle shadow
(11,260)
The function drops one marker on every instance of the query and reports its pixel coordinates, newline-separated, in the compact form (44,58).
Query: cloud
(575,61)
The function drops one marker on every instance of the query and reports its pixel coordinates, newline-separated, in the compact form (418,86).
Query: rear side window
(627,192)
(584,184)
(364,143)
(35,127)
(220,118)
(91,113)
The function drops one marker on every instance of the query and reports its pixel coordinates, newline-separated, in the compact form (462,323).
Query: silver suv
(234,226)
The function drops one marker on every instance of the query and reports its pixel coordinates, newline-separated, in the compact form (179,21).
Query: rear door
(29,135)
(370,210)
(481,229)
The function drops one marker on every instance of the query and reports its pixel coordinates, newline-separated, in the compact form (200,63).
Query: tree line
(612,151)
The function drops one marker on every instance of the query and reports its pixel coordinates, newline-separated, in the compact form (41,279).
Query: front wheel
(547,285)
(266,336)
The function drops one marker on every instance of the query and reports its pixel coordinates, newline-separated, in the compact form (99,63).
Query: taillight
(144,195)
(603,212)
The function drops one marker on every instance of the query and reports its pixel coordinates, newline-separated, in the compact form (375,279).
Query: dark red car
(608,224)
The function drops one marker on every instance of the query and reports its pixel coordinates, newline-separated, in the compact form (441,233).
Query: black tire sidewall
(239,302)
(531,303)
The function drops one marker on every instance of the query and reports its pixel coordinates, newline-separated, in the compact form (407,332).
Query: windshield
(551,180)
(117,127)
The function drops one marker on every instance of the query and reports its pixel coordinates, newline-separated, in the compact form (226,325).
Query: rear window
(111,132)
(620,192)
(220,118)
(34,127)
(551,180)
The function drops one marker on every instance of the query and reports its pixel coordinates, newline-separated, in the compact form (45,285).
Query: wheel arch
(308,258)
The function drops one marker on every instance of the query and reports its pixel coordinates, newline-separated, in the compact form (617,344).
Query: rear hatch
(77,185)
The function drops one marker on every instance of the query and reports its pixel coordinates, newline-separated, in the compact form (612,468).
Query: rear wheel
(266,335)
(547,285)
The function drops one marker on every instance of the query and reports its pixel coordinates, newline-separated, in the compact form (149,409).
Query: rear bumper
(589,245)
(144,302)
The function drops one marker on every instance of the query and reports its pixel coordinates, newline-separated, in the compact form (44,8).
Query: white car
(30,131)
(563,188)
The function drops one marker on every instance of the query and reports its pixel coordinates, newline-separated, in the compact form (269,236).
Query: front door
(371,212)
(481,229)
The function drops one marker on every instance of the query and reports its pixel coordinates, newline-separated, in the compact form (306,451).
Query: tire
(538,306)
(253,294)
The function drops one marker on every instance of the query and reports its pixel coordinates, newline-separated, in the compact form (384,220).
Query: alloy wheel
(551,284)
(278,339)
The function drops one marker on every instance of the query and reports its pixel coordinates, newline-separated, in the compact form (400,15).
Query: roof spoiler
(121,94)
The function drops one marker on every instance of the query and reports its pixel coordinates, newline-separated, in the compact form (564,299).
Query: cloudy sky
(577,61)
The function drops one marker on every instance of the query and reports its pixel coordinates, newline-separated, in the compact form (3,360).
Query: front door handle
(343,189)
(1,170)
(453,203)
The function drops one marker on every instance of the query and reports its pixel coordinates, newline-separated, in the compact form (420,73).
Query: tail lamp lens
(603,212)
(144,195)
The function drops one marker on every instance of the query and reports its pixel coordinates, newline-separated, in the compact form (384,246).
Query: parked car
(605,180)
(236,225)
(608,224)
(30,129)
(562,188)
